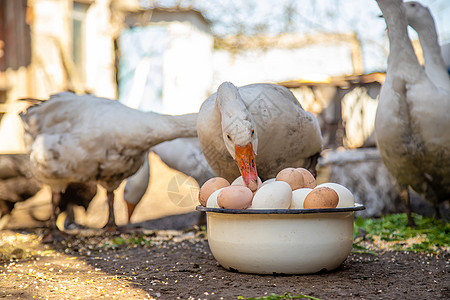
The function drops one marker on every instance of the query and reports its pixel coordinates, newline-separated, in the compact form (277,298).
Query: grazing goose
(260,127)
(73,138)
(420,18)
(183,154)
(412,118)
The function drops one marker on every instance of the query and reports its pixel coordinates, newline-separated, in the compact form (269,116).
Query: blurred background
(168,56)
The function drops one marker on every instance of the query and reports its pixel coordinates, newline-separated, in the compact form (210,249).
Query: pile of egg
(294,188)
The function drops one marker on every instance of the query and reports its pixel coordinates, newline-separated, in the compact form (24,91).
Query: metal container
(280,241)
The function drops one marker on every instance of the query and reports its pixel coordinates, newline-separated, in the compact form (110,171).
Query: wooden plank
(15,34)
(4,108)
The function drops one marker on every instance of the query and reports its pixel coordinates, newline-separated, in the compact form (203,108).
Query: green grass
(128,242)
(429,235)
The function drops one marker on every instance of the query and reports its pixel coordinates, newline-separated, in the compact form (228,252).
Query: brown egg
(308,178)
(210,187)
(322,197)
(292,176)
(235,197)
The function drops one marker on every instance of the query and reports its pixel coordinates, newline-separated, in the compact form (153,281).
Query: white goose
(257,125)
(183,154)
(74,138)
(420,18)
(412,119)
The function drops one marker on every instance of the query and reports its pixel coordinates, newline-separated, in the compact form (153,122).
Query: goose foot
(437,212)
(55,235)
(111,228)
(125,229)
(404,195)
(68,225)
(411,222)
(116,229)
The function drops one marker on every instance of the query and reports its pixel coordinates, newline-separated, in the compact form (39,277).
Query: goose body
(412,119)
(183,154)
(73,138)
(257,126)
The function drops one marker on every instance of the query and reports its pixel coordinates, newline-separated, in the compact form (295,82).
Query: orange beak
(245,159)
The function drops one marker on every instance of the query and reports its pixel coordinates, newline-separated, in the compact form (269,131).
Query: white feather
(74,138)
(285,134)
(183,154)
(420,18)
(412,119)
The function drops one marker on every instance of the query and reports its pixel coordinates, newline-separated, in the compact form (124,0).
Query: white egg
(212,200)
(346,198)
(268,181)
(240,181)
(277,194)
(298,196)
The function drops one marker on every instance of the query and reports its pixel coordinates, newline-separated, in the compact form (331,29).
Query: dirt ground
(177,264)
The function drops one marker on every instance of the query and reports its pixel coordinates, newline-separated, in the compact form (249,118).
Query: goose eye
(228,137)
(253,132)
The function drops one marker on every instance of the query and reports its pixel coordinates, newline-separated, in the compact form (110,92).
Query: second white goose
(73,138)
(412,118)
(420,18)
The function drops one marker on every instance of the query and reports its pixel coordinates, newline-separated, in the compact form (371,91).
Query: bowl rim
(289,211)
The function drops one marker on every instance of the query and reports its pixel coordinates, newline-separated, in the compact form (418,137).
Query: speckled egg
(277,194)
(308,178)
(321,197)
(210,187)
(292,176)
(235,197)
(298,197)
(346,198)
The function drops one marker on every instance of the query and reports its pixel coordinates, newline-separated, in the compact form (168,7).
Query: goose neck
(400,47)
(162,128)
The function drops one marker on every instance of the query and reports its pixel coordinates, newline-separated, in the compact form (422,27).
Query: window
(79,37)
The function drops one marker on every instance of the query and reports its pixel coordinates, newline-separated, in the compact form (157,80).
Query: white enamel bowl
(280,241)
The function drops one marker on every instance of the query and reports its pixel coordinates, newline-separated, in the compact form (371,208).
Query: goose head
(417,14)
(238,132)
